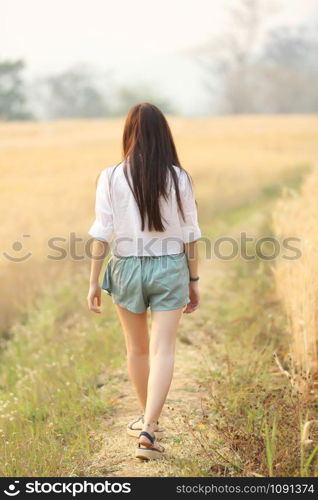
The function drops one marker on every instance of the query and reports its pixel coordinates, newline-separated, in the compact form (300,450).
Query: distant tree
(126,97)
(12,91)
(235,56)
(290,60)
(230,60)
(249,73)
(73,94)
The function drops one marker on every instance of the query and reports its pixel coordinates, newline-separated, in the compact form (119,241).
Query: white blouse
(118,220)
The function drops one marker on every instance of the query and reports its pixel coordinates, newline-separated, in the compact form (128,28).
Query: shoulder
(184,178)
(108,171)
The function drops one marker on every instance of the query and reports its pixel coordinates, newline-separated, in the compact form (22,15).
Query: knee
(137,351)
(163,350)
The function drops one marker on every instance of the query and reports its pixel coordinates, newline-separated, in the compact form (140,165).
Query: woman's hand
(194,295)
(94,296)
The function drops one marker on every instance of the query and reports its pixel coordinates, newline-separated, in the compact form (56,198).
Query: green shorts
(136,283)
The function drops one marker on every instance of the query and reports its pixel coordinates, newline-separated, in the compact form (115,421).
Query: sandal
(149,450)
(135,427)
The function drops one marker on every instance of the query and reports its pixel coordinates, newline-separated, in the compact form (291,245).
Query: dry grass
(296,216)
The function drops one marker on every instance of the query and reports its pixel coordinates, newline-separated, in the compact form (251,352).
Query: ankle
(149,426)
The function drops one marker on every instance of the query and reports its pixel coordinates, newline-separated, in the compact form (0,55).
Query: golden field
(64,392)
(48,173)
(296,215)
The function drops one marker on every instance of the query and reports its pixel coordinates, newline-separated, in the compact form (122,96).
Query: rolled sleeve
(102,228)
(189,225)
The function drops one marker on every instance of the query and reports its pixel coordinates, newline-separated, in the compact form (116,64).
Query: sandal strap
(135,422)
(140,418)
(153,448)
(147,435)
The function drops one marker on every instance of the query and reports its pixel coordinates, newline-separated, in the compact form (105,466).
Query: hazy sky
(138,40)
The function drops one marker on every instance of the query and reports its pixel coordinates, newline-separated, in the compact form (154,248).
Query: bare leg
(162,351)
(135,328)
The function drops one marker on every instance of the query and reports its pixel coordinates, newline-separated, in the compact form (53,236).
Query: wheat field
(48,173)
(296,215)
(64,392)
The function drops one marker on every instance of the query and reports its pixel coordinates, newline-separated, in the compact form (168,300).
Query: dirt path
(184,403)
(186,399)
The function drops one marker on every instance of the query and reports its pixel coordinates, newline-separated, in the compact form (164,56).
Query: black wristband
(194,279)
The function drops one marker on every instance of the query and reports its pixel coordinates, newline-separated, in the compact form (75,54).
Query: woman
(146,214)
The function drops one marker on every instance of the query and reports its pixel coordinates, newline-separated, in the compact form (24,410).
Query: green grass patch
(51,394)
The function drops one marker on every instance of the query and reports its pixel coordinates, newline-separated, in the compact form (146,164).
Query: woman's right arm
(191,251)
(191,234)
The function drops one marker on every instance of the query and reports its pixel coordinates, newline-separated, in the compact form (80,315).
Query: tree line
(74,93)
(241,75)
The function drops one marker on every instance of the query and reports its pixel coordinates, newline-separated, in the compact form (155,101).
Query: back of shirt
(118,219)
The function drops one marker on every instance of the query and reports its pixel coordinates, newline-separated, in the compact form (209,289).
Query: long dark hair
(149,153)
